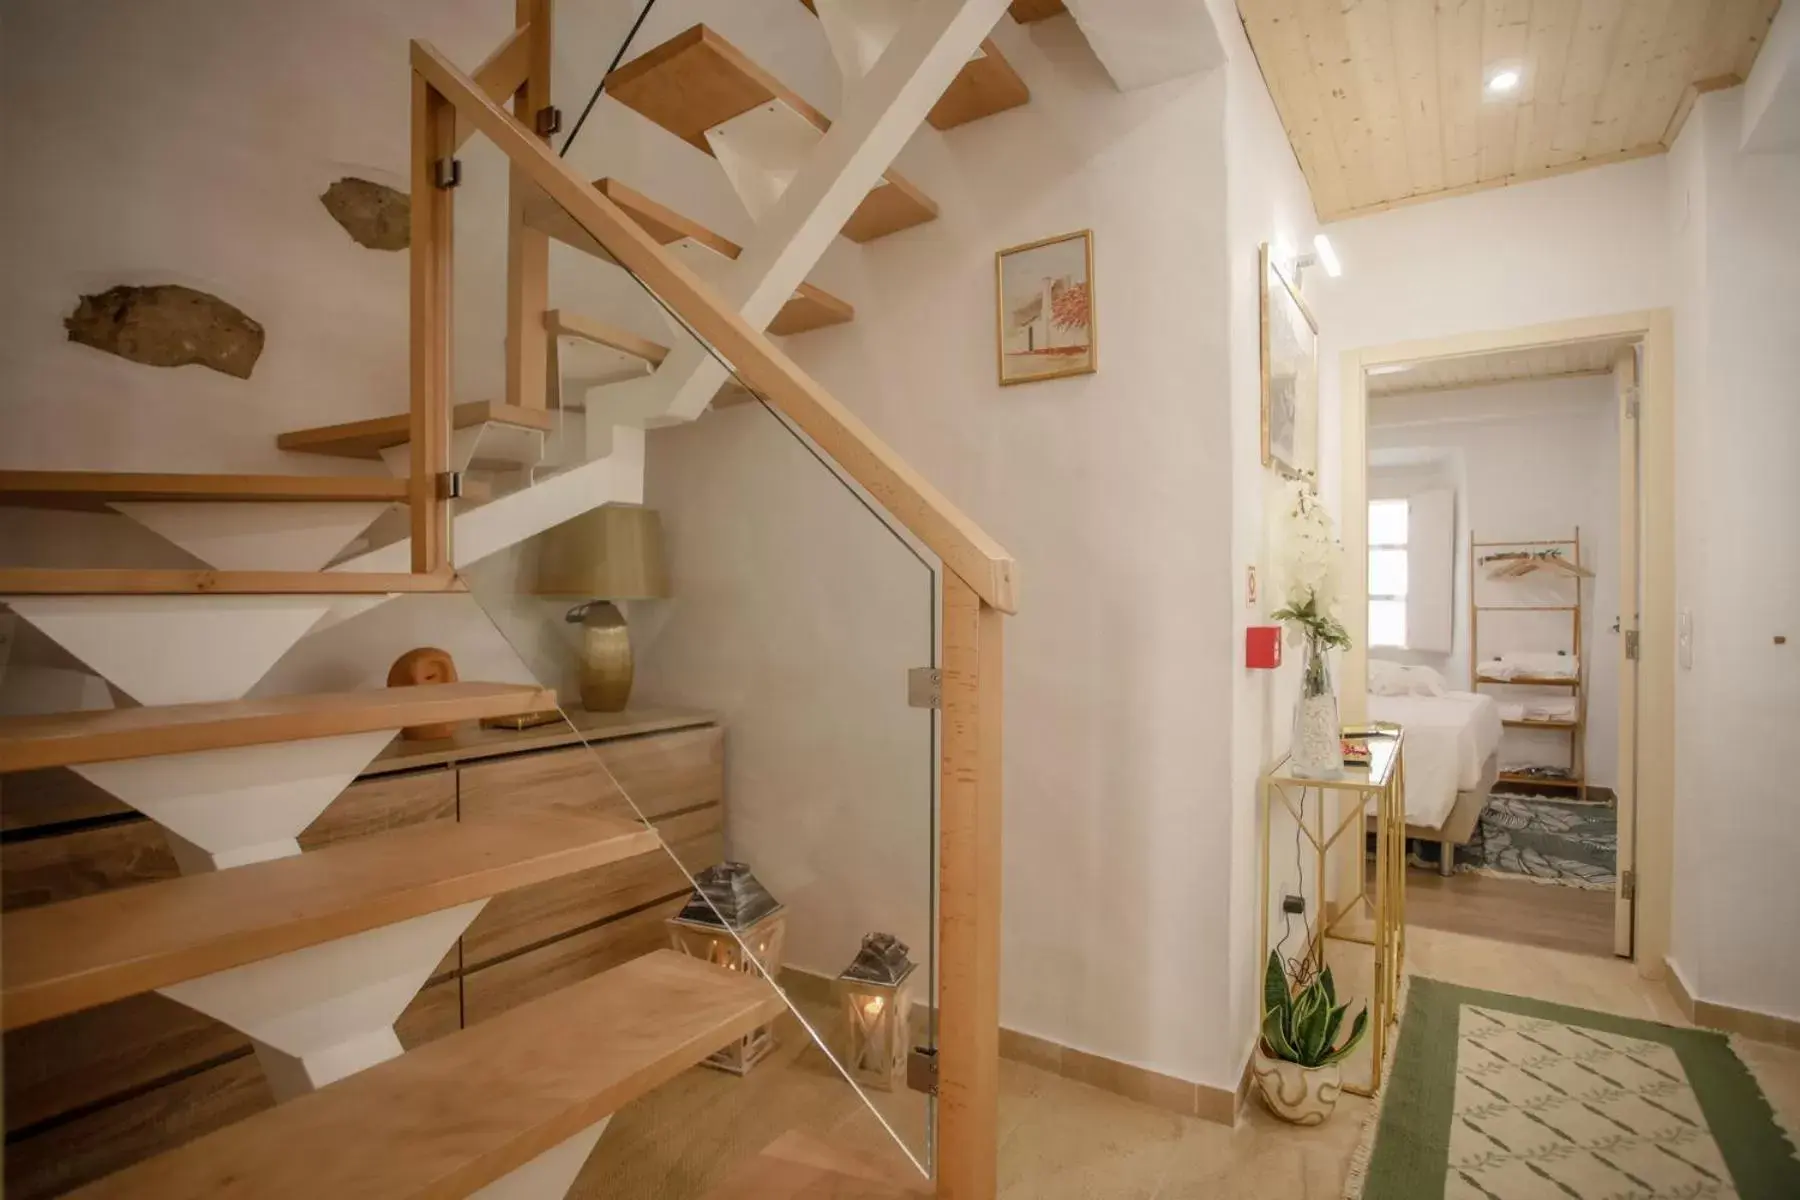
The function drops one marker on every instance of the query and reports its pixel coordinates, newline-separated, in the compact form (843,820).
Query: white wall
(1267,201)
(1584,244)
(1113,492)
(1706,231)
(1736,836)
(1536,460)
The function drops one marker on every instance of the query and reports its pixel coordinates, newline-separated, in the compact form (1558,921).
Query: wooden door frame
(1625,391)
(1654,329)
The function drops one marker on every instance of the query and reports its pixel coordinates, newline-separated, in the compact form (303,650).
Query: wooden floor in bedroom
(1531,914)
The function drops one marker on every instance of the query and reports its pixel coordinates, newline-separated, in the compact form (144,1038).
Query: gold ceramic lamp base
(605,656)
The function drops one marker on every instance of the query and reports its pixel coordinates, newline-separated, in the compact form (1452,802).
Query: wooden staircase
(451,1118)
(810,308)
(367,439)
(314,955)
(107,735)
(697,81)
(986,85)
(62,958)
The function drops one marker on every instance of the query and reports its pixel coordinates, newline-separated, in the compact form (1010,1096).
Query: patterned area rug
(1497,1097)
(1545,839)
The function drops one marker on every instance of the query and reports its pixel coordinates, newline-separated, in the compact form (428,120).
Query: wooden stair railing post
(969,896)
(433,141)
(528,249)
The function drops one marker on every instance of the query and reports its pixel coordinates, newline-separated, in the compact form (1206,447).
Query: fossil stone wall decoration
(374,214)
(167,325)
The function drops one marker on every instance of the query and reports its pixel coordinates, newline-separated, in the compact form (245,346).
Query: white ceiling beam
(1146,42)
(1772,93)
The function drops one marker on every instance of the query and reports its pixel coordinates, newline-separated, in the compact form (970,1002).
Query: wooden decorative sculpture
(427,664)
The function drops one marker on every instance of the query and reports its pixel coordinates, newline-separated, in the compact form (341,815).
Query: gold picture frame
(1290,373)
(1053,333)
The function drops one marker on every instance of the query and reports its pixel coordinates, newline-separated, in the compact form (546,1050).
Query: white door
(1625,377)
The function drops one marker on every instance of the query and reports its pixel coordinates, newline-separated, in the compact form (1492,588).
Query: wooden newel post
(528,249)
(433,151)
(969,897)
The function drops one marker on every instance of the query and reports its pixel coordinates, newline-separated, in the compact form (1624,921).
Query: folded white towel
(1529,663)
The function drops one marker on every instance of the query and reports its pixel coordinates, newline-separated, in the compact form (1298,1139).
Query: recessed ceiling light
(1503,81)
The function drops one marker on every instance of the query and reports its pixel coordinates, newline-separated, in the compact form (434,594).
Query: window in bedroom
(1387,572)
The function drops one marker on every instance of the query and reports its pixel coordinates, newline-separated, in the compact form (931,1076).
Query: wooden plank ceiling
(1509,366)
(1386,101)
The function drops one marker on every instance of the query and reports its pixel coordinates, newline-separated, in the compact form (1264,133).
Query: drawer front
(662,773)
(383,803)
(570,778)
(535,914)
(492,990)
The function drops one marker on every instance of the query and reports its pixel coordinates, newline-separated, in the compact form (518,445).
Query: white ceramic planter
(1303,1095)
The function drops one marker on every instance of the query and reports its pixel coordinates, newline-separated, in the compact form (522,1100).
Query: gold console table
(1375,918)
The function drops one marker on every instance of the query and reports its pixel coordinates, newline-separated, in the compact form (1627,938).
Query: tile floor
(1061,1139)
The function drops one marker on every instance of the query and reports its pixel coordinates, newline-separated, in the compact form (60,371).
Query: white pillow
(1398,679)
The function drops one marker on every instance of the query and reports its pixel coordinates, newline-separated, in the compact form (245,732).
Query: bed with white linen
(1452,744)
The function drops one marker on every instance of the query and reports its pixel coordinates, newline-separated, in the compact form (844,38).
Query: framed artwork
(1290,373)
(1045,302)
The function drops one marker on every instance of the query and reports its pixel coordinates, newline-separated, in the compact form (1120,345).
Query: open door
(1625,378)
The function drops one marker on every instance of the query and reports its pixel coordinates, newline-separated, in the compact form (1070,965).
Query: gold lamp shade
(611,553)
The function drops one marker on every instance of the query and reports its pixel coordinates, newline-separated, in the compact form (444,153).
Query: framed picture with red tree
(1044,294)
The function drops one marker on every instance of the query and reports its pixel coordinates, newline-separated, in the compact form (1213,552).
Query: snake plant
(1300,1026)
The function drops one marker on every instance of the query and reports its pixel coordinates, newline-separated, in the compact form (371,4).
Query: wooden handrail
(965,549)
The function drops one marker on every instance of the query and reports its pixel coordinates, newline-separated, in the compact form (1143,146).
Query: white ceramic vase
(1317,749)
(1302,1095)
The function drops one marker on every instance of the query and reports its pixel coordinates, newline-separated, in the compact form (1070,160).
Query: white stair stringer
(328,1011)
(489,444)
(882,110)
(762,150)
(859,31)
(551,1174)
(615,478)
(186,649)
(257,536)
(229,808)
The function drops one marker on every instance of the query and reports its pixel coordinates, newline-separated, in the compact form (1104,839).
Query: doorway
(1534,675)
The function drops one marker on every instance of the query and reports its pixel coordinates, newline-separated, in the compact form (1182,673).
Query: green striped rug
(1497,1097)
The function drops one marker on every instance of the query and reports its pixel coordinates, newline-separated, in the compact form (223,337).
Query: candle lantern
(877,992)
(732,920)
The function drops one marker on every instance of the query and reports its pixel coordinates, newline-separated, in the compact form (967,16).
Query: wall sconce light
(877,993)
(1323,254)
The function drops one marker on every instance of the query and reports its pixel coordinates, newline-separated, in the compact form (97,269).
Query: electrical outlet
(1684,638)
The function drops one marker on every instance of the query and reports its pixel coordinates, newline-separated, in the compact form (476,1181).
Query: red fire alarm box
(1262,647)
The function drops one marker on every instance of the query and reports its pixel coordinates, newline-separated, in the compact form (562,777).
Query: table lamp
(610,553)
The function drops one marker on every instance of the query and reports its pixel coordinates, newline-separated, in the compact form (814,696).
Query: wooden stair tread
(111,581)
(450,1117)
(62,958)
(697,80)
(985,86)
(810,307)
(367,439)
(96,489)
(69,739)
(1027,11)
(798,1166)
(561,322)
